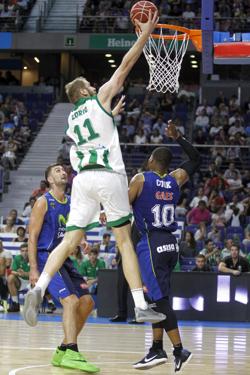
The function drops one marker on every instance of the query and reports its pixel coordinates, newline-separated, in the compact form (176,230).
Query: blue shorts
(157,253)
(66,281)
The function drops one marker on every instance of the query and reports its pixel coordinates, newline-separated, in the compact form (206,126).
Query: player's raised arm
(187,168)
(114,85)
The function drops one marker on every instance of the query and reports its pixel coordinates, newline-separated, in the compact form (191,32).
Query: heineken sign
(112,41)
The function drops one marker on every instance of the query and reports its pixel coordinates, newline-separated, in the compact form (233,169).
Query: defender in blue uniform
(46,230)
(154,196)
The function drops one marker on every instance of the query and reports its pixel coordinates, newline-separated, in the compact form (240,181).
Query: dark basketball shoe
(14,307)
(152,359)
(181,358)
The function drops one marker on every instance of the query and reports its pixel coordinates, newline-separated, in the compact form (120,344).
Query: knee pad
(164,307)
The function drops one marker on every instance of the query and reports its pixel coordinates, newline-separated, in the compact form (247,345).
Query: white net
(164,58)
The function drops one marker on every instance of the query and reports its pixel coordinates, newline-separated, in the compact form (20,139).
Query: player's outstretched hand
(149,26)
(171,130)
(120,106)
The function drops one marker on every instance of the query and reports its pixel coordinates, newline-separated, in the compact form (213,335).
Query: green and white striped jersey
(96,137)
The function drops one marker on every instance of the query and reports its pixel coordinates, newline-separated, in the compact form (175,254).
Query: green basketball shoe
(75,360)
(57,357)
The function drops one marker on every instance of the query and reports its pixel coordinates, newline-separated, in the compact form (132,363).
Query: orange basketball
(140,11)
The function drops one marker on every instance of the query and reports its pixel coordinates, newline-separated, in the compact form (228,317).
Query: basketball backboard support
(207,27)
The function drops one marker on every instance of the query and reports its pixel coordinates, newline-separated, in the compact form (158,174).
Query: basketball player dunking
(97,158)
(154,196)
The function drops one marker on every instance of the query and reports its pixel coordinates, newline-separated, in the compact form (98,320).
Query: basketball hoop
(164,54)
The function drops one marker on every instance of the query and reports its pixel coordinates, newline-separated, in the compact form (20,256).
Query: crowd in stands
(113,15)
(11,13)
(21,116)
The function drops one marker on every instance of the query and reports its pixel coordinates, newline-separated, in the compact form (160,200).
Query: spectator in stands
(21,235)
(187,247)
(19,277)
(211,253)
(160,125)
(140,137)
(246,241)
(202,121)
(234,264)
(199,214)
(234,217)
(221,99)
(216,200)
(5,254)
(236,128)
(216,182)
(201,264)
(206,107)
(41,190)
(90,269)
(201,233)
(9,155)
(105,245)
(3,285)
(181,209)
(77,259)
(188,13)
(5,263)
(233,177)
(8,127)
(28,207)
(156,137)
(9,227)
(14,214)
(199,197)
(214,234)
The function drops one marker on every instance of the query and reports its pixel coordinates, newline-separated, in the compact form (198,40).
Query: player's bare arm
(35,225)
(135,187)
(183,173)
(114,85)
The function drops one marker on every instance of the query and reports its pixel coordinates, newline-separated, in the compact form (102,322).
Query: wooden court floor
(114,347)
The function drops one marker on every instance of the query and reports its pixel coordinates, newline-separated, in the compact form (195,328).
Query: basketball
(140,11)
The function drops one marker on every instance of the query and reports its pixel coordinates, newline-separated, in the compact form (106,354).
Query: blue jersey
(155,207)
(54,223)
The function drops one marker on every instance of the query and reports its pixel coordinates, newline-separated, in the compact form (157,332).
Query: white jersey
(96,138)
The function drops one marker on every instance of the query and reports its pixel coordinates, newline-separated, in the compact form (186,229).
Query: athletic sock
(43,282)
(177,349)
(139,299)
(14,299)
(62,347)
(157,345)
(73,347)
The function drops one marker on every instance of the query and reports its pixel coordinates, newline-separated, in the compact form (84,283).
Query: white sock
(43,282)
(139,299)
(14,299)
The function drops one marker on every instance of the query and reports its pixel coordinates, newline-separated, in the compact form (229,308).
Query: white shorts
(95,187)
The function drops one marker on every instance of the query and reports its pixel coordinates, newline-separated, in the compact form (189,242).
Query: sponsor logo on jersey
(168,248)
(165,184)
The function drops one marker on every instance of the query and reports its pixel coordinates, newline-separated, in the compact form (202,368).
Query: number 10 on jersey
(163,215)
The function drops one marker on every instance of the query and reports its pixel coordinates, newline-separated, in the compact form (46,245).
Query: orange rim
(194,34)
